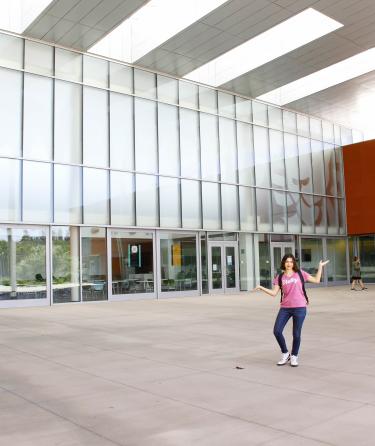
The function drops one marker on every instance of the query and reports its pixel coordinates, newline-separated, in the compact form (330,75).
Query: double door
(278,251)
(223,272)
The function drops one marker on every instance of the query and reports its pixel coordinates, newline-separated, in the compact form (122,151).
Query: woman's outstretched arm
(272,292)
(318,275)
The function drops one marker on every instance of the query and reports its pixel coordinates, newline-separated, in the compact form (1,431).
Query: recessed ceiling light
(337,73)
(16,15)
(293,33)
(151,26)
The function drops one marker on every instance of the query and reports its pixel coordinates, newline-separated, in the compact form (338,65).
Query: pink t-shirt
(293,296)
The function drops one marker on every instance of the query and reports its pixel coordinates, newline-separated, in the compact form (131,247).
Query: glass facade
(91,142)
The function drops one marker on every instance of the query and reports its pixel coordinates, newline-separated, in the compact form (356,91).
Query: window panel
(189,143)
(247,208)
(318,167)
(332,216)
(229,207)
(339,171)
(146,200)
(330,169)
(260,115)
(307,213)
(120,78)
(261,156)
(68,123)
(245,154)
(207,99)
(169,159)
(303,127)
(11,51)
(243,109)
(305,170)
(10,186)
(121,131)
(169,202)
(228,155)
(95,71)
(209,146)
(293,212)
(211,206)
(95,196)
(38,117)
(144,84)
(264,217)
(68,65)
(291,162)
(328,135)
(188,94)
(337,134)
(279,214)
(67,194)
(342,216)
(316,130)
(289,121)
(346,136)
(226,104)
(320,214)
(37,200)
(145,136)
(167,89)
(275,117)
(277,159)
(191,204)
(95,127)
(38,58)
(122,199)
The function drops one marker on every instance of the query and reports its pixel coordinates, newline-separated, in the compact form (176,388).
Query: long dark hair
(284,259)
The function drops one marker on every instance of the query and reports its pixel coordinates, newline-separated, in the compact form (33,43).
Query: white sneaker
(284,358)
(294,361)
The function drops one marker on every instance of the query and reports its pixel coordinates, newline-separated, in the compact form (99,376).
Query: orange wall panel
(359,171)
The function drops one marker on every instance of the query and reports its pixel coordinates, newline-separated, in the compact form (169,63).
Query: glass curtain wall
(311,254)
(366,244)
(336,253)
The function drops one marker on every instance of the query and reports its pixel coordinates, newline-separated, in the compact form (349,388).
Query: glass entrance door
(278,251)
(223,268)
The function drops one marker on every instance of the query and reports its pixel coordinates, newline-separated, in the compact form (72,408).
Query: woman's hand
(257,288)
(321,263)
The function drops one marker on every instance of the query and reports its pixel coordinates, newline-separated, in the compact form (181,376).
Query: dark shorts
(356,278)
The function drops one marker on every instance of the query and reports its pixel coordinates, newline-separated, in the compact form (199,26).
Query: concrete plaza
(164,373)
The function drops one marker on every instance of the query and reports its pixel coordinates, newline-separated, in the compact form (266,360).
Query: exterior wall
(359,160)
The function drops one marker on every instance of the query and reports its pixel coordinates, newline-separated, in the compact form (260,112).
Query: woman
(293,304)
(356,274)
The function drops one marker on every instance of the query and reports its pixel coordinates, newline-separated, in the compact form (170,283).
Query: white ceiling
(81,23)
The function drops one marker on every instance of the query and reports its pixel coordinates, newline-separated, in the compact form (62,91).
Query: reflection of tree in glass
(61,259)
(31,259)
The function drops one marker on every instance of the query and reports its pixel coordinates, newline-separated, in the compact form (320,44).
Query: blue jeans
(298,315)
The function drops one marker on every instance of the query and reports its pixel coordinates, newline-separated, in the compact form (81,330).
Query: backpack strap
(280,283)
(303,285)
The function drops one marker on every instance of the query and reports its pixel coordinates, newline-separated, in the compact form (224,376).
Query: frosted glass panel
(330,169)
(209,146)
(229,207)
(68,65)
(146,200)
(346,136)
(243,109)
(228,155)
(264,217)
(279,214)
(95,127)
(247,208)
(189,143)
(226,104)
(169,202)
(38,115)
(332,215)
(67,194)
(11,51)
(120,78)
(167,89)
(277,159)
(320,215)
(191,204)
(38,58)
(169,159)
(10,186)
(342,216)
(211,206)
(122,199)
(328,134)
(10,112)
(318,167)
(68,122)
(303,126)
(121,131)
(145,136)
(95,196)
(95,71)
(291,162)
(316,131)
(275,117)
(262,156)
(339,172)
(304,151)
(307,213)
(260,113)
(144,84)
(207,99)
(245,151)
(289,121)
(293,212)
(37,199)
(188,94)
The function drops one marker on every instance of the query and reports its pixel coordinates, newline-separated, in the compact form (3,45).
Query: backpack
(302,282)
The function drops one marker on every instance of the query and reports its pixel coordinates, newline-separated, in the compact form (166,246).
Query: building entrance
(278,250)
(223,272)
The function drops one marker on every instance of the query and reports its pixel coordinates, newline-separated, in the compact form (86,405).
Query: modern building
(120,181)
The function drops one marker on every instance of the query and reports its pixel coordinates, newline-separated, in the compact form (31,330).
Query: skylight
(345,70)
(293,33)
(17,15)
(152,25)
